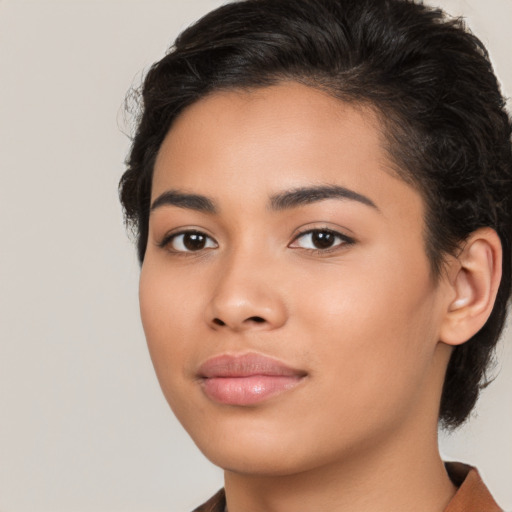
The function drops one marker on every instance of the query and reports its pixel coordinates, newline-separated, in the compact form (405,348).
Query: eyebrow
(307,195)
(282,201)
(196,202)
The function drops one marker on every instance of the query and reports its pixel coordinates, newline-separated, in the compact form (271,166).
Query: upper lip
(246,365)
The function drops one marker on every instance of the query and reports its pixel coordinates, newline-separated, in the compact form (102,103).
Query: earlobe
(475,280)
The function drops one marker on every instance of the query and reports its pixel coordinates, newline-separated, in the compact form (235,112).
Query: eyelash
(343,240)
(169,239)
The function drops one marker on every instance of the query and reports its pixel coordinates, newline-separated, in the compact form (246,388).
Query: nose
(246,297)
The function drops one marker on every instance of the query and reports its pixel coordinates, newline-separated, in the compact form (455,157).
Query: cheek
(169,313)
(171,316)
(373,327)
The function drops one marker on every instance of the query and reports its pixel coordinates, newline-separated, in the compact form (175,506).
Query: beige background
(83,426)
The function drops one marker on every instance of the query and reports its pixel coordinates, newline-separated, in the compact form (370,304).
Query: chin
(256,447)
(268,450)
(256,461)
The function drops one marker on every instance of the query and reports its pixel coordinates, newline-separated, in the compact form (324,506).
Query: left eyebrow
(307,195)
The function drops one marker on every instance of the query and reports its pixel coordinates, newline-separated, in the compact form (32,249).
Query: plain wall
(83,425)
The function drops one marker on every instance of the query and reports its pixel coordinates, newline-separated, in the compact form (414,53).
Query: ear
(474,277)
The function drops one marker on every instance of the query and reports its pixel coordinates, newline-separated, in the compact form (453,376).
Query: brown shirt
(472,496)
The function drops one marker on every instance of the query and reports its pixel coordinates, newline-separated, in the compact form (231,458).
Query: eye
(320,240)
(188,241)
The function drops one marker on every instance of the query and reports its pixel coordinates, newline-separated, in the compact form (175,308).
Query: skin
(362,319)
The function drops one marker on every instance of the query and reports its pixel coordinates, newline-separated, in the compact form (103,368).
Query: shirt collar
(472,495)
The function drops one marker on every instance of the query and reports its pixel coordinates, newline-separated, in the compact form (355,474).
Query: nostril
(247,321)
(256,319)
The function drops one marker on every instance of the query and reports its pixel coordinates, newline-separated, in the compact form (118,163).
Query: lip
(246,379)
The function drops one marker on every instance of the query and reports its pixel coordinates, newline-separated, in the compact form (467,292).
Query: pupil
(194,241)
(323,239)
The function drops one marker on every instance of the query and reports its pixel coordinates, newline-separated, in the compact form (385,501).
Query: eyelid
(169,237)
(345,239)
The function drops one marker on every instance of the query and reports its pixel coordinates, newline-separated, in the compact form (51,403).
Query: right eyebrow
(180,199)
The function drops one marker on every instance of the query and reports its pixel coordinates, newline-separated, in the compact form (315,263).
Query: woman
(322,196)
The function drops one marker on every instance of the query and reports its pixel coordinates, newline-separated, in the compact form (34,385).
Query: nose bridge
(246,295)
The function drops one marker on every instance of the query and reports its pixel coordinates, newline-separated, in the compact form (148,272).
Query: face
(285,293)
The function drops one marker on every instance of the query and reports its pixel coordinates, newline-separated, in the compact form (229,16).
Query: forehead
(274,138)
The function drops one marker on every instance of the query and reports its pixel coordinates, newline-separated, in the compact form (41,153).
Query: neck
(402,477)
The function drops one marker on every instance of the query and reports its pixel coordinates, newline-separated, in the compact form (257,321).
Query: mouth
(246,379)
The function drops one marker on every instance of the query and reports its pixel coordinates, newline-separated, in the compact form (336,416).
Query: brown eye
(191,241)
(321,240)
(194,241)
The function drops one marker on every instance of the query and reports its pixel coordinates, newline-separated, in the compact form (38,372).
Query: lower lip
(247,390)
